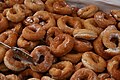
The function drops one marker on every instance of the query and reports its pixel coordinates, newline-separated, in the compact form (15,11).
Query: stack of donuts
(67,43)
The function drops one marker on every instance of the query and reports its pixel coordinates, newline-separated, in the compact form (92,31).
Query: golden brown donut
(88,11)
(100,48)
(3,23)
(105,76)
(93,61)
(12,77)
(49,5)
(112,46)
(84,73)
(9,37)
(3,67)
(72,56)
(33,32)
(24,75)
(10,3)
(82,45)
(15,14)
(90,24)
(58,6)
(23,8)
(61,70)
(26,44)
(116,14)
(51,34)
(113,67)
(34,5)
(61,45)
(2,77)
(103,19)
(61,7)
(67,24)
(46,78)
(12,63)
(85,34)
(47,19)
(42,55)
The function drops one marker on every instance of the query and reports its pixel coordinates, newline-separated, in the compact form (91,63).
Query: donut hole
(41,59)
(115,40)
(6,37)
(84,78)
(106,16)
(13,11)
(16,58)
(42,23)
(69,24)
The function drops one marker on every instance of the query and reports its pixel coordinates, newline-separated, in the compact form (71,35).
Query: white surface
(105,5)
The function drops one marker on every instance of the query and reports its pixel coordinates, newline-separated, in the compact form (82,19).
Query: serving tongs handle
(20,54)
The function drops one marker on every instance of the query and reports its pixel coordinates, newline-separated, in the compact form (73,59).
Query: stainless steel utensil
(20,54)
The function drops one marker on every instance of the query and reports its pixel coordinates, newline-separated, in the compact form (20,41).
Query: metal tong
(20,54)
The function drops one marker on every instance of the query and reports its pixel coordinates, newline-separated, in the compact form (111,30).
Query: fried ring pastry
(15,14)
(42,55)
(12,63)
(100,48)
(11,3)
(93,61)
(84,73)
(116,14)
(52,33)
(24,75)
(35,31)
(61,45)
(9,37)
(61,7)
(26,44)
(87,11)
(47,18)
(23,8)
(61,70)
(90,24)
(103,19)
(113,67)
(84,34)
(34,5)
(67,24)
